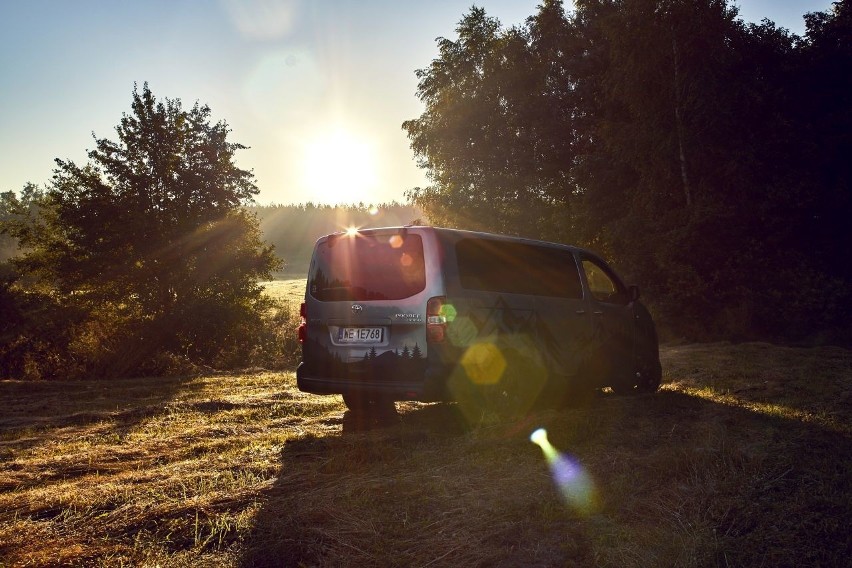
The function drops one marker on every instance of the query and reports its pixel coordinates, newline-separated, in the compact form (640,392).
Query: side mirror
(633,292)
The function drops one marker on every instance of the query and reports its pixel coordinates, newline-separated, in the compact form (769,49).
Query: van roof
(463,233)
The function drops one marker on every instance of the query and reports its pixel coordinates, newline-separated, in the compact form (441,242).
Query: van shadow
(288,530)
(383,492)
(436,419)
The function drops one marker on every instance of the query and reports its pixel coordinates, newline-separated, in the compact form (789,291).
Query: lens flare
(572,480)
(449,312)
(539,438)
(262,19)
(351,231)
(483,363)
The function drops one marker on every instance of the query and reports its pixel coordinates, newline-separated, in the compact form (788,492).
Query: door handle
(598,313)
(580,312)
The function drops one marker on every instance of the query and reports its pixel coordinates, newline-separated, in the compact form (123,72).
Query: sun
(340,167)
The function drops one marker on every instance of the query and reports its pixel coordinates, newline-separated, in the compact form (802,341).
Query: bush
(36,334)
(44,338)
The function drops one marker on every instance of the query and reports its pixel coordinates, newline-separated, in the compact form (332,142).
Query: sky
(318,89)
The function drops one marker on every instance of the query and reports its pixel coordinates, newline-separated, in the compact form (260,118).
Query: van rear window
(367,266)
(517,268)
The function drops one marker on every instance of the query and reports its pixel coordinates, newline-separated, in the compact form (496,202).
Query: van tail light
(436,321)
(303,322)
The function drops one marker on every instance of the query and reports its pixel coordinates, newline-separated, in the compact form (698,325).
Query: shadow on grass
(34,411)
(32,405)
(437,419)
(680,480)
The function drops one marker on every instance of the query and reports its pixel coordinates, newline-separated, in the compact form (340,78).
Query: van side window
(603,286)
(517,268)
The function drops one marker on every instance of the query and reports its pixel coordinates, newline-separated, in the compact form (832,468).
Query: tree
(17,211)
(150,234)
(824,114)
(706,157)
(479,138)
(663,194)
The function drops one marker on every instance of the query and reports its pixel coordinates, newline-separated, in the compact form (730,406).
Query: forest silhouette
(706,157)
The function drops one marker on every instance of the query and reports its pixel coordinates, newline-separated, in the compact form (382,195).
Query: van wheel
(361,404)
(624,385)
(649,378)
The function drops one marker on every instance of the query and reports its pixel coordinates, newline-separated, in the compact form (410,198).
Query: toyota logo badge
(357,308)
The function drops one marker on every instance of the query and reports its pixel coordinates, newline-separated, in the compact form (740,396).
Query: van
(431,314)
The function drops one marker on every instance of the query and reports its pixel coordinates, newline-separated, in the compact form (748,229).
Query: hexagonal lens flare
(483,363)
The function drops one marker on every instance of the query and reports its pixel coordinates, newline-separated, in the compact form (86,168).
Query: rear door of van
(365,313)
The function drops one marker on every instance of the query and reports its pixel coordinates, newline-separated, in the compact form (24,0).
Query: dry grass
(742,459)
(130,470)
(290,290)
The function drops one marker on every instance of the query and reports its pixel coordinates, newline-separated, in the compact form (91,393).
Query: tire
(624,385)
(649,377)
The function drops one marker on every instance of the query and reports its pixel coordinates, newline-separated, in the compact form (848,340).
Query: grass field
(287,289)
(743,458)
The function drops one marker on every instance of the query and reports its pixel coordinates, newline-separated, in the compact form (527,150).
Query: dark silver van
(429,314)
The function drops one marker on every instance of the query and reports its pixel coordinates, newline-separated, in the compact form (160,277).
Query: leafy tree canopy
(707,157)
(152,230)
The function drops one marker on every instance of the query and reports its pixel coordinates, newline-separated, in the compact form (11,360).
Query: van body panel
(335,359)
(546,315)
(566,335)
(554,332)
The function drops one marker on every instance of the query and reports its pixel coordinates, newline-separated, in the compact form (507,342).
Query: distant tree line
(709,158)
(293,229)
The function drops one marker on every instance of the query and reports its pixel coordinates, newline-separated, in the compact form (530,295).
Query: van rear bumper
(424,391)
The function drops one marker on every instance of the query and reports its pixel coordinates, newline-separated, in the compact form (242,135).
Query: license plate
(360,335)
